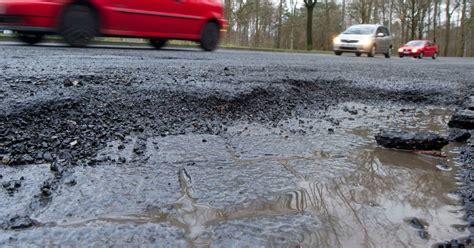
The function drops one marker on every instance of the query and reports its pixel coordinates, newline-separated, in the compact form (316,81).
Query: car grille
(349,41)
(348,48)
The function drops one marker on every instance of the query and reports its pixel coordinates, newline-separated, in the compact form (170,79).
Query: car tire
(435,56)
(388,54)
(338,53)
(358,54)
(401,56)
(158,43)
(210,36)
(30,38)
(371,54)
(421,56)
(79,25)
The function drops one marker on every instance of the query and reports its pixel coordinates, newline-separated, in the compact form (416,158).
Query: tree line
(313,24)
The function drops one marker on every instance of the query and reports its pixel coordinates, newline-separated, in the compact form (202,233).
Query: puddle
(272,186)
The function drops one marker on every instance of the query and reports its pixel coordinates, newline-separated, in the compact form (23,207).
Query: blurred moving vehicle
(419,49)
(79,21)
(366,38)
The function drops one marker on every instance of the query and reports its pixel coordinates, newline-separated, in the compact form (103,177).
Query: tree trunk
(309,4)
(309,29)
(280,17)
(462,51)
(343,17)
(447,35)
(435,20)
(257,23)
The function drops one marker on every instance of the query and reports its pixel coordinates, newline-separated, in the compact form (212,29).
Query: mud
(125,147)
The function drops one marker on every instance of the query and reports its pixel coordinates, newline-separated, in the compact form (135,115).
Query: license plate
(407,52)
(348,45)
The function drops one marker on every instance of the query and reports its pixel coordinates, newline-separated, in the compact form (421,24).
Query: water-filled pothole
(257,185)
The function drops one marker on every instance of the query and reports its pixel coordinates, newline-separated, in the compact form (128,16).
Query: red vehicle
(79,21)
(419,49)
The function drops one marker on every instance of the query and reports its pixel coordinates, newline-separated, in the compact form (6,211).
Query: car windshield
(416,43)
(360,30)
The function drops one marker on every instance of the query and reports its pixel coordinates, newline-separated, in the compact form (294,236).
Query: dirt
(119,146)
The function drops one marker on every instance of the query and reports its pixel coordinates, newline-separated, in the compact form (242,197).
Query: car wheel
(210,36)
(389,53)
(421,56)
(30,38)
(158,43)
(371,54)
(358,54)
(338,53)
(401,55)
(79,25)
(435,56)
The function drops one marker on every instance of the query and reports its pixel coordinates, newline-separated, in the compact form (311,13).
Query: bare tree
(449,14)
(280,23)
(463,51)
(284,23)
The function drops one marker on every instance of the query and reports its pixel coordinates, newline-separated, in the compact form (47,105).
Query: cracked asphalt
(120,146)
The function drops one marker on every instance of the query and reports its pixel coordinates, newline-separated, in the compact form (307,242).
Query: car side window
(429,43)
(386,32)
(379,30)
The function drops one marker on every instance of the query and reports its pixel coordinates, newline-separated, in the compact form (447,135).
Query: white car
(370,39)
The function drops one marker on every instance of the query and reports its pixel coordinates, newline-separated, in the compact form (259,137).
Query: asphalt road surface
(129,146)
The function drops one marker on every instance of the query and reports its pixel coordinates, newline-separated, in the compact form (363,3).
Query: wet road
(126,146)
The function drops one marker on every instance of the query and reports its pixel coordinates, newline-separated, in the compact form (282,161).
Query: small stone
(27,159)
(20,222)
(417,223)
(54,167)
(67,83)
(444,167)
(48,157)
(46,191)
(6,159)
(71,182)
(74,143)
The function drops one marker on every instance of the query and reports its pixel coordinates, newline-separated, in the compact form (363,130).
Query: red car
(419,49)
(79,21)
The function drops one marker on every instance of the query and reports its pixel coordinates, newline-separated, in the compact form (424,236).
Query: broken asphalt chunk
(411,141)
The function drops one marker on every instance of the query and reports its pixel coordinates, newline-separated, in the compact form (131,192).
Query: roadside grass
(172,43)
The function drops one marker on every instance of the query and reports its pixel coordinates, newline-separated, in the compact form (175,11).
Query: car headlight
(400,50)
(414,50)
(366,42)
(336,40)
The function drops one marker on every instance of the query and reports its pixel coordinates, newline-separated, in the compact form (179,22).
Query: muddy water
(307,181)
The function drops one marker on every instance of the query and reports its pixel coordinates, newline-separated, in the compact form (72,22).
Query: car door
(179,16)
(388,38)
(193,14)
(130,17)
(380,41)
(430,48)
